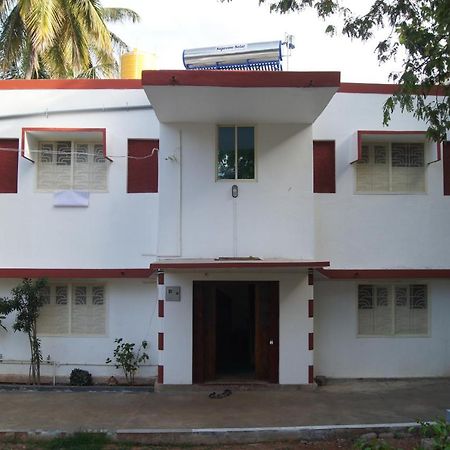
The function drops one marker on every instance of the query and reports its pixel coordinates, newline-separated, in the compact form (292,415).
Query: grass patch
(78,441)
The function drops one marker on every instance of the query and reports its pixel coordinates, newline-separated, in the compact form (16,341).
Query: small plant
(26,301)
(128,359)
(438,431)
(79,377)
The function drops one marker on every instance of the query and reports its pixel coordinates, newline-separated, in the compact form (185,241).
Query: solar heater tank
(254,56)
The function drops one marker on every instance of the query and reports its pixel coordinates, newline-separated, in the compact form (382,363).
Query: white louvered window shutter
(392,310)
(419,309)
(88,310)
(408,163)
(366,310)
(70,165)
(383,311)
(54,314)
(391,167)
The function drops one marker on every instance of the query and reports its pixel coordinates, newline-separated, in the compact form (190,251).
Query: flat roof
(233,96)
(240,78)
(217,265)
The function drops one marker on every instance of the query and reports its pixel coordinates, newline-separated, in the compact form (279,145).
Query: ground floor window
(73,309)
(385,310)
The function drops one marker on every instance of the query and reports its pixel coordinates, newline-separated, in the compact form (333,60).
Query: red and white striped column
(310,342)
(161,297)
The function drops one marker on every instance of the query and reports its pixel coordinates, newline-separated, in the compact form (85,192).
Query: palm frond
(42,21)
(119,15)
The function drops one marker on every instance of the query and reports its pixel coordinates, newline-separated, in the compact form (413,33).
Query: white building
(279,231)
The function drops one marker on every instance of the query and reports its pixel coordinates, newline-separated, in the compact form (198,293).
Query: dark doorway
(235,331)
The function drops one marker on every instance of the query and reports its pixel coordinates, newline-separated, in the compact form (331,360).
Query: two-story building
(252,226)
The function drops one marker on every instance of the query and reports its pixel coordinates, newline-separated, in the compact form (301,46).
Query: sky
(168,27)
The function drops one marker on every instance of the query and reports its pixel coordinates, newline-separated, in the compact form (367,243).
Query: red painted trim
(310,277)
(160,308)
(362,133)
(236,78)
(69,84)
(310,374)
(161,374)
(160,341)
(73,273)
(236,265)
(348,274)
(63,130)
(370,88)
(160,278)
(311,308)
(310,341)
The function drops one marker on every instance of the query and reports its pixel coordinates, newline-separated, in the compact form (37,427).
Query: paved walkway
(341,403)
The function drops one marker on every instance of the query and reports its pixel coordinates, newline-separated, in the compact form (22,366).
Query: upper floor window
(391,167)
(70,165)
(236,153)
(385,310)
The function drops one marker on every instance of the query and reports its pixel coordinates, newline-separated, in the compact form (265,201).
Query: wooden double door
(235,331)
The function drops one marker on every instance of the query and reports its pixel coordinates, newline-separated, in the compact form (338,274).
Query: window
(236,153)
(68,165)
(391,167)
(73,309)
(385,310)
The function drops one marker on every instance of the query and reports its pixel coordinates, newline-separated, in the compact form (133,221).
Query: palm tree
(60,38)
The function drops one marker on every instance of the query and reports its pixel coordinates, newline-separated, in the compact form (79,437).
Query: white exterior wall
(341,353)
(377,230)
(131,314)
(272,217)
(294,324)
(117,230)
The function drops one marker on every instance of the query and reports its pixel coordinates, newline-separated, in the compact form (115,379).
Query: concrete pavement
(365,402)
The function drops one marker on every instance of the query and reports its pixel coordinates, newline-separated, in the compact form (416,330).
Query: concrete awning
(214,96)
(236,265)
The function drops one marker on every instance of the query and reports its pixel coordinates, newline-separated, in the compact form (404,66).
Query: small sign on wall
(173,293)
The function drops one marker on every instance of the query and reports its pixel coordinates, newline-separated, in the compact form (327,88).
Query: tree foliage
(26,300)
(417,29)
(59,38)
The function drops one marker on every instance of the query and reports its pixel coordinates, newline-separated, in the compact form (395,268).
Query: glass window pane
(226,169)
(246,153)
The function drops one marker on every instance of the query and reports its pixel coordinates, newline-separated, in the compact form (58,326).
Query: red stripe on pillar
(161,278)
(161,374)
(310,277)
(160,341)
(310,374)
(311,308)
(160,308)
(310,341)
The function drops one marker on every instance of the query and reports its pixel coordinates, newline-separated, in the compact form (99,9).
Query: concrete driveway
(384,402)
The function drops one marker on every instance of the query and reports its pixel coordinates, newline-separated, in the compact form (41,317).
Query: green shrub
(438,431)
(127,358)
(79,377)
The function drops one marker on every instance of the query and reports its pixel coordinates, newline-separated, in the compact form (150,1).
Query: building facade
(252,226)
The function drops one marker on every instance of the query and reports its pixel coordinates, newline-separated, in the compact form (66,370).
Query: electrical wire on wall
(4,149)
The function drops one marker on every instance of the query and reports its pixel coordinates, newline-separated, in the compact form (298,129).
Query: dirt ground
(338,444)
